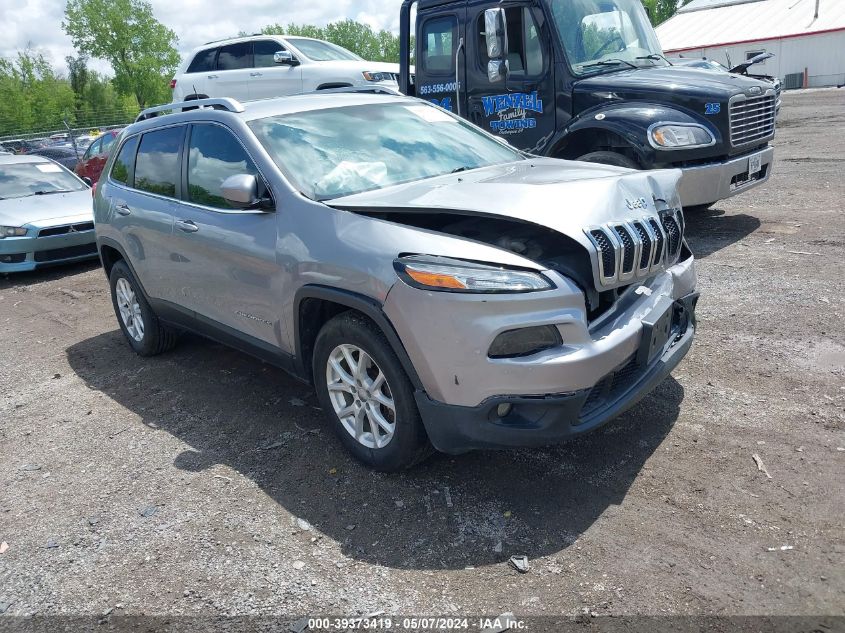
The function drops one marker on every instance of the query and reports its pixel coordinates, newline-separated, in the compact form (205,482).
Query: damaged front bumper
(530,421)
(600,368)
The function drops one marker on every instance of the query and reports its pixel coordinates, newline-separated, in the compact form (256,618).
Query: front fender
(630,122)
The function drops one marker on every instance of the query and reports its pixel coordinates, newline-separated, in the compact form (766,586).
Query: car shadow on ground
(712,230)
(447,513)
(49,273)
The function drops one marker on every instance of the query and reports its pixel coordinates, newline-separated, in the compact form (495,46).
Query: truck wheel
(136,318)
(609,158)
(363,388)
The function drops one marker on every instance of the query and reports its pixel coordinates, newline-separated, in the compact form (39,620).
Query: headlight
(676,136)
(12,231)
(457,276)
(371,76)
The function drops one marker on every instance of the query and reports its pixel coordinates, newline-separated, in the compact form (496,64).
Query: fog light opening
(504,409)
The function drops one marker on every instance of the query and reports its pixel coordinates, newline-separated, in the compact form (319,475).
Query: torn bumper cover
(529,421)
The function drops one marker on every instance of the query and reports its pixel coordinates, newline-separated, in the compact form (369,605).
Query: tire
(130,308)
(609,158)
(407,443)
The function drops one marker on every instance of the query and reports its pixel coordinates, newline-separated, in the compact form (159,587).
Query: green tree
(32,96)
(357,37)
(125,33)
(661,10)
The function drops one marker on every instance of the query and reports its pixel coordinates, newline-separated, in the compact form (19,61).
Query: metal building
(806,36)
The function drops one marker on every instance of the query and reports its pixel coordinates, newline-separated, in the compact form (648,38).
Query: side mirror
(497,70)
(496,33)
(87,181)
(241,192)
(285,57)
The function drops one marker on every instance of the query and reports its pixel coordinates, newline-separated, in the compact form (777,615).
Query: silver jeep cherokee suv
(438,287)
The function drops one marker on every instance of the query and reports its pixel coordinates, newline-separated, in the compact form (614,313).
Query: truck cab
(587,80)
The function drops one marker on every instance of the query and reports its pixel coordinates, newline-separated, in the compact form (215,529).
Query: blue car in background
(45,214)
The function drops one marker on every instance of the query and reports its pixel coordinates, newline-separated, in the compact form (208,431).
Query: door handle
(187,226)
(122,209)
(254,74)
(212,76)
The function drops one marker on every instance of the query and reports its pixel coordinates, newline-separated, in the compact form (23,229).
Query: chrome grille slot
(607,253)
(659,240)
(645,239)
(628,248)
(752,118)
(673,235)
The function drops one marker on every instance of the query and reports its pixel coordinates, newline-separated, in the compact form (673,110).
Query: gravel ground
(203,482)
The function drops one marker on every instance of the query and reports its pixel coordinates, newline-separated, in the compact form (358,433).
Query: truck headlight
(12,231)
(679,136)
(374,76)
(451,275)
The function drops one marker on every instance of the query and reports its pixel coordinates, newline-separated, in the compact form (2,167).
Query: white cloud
(39,22)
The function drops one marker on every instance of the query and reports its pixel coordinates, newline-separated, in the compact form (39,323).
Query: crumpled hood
(566,196)
(46,210)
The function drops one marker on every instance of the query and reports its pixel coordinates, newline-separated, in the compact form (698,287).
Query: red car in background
(94,159)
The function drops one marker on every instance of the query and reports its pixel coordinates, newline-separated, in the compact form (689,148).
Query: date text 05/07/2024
(504,622)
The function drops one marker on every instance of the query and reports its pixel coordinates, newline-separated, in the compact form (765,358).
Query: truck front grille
(752,118)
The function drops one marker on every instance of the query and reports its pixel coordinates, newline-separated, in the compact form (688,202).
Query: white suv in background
(264,66)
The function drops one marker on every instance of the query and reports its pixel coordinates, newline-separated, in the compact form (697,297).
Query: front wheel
(609,158)
(365,391)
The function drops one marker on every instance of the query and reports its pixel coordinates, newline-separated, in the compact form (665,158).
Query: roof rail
(225,103)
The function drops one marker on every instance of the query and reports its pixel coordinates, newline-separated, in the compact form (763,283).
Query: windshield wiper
(47,193)
(655,56)
(610,62)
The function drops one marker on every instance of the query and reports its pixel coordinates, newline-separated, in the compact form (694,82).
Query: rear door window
(263,51)
(203,62)
(214,154)
(121,170)
(235,56)
(157,166)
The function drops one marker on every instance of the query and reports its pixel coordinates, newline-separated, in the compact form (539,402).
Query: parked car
(94,159)
(25,146)
(437,286)
(45,215)
(64,155)
(263,66)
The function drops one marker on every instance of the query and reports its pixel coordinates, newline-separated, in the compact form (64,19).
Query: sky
(39,22)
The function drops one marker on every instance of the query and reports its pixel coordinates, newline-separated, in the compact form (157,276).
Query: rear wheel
(139,324)
(609,158)
(365,391)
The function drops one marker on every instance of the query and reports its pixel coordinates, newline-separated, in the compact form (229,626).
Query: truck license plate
(754,164)
(656,327)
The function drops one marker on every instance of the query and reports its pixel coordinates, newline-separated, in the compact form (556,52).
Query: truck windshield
(333,152)
(606,35)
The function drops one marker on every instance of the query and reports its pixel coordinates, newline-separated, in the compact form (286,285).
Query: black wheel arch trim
(368,306)
(630,121)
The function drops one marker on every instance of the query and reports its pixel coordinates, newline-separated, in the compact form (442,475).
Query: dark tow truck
(587,80)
